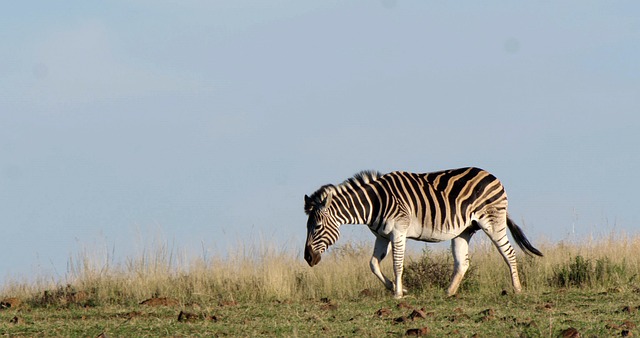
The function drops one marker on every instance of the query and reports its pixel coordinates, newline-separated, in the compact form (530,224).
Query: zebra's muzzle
(311,257)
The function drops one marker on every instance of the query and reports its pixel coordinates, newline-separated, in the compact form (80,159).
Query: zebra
(431,207)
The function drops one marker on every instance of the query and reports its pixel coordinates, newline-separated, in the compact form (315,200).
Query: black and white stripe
(432,207)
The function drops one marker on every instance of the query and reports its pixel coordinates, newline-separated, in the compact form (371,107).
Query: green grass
(545,314)
(592,287)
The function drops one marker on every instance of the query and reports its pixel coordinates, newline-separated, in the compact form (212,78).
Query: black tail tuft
(521,239)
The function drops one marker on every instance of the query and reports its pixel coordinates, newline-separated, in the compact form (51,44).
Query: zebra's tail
(521,239)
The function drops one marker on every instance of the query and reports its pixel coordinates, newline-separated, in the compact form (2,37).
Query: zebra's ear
(327,200)
(317,201)
(308,204)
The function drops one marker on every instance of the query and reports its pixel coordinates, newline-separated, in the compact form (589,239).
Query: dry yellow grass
(267,273)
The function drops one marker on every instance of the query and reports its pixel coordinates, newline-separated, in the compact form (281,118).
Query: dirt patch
(10,303)
(402,319)
(418,332)
(366,293)
(627,324)
(188,317)
(418,314)
(546,307)
(329,306)
(163,301)
(132,315)
(403,305)
(570,333)
(414,315)
(383,312)
(487,315)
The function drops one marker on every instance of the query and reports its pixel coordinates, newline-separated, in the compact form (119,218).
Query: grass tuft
(433,271)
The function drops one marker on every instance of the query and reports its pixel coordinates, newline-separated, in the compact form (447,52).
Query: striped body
(432,207)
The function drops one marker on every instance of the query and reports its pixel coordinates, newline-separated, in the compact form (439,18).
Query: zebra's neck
(351,204)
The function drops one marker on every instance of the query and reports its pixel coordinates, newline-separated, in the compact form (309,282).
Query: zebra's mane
(363,177)
(359,179)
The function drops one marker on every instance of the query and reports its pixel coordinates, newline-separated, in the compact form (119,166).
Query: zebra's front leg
(398,249)
(380,250)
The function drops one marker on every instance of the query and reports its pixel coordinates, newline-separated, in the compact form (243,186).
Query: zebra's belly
(420,232)
(435,237)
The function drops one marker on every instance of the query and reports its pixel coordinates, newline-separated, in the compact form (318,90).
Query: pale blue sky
(206,122)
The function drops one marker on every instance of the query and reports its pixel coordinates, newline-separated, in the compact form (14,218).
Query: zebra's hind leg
(460,250)
(497,231)
(380,250)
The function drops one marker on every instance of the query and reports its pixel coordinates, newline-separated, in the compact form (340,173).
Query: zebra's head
(322,229)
